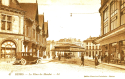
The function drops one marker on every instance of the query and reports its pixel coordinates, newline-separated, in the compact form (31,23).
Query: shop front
(8,51)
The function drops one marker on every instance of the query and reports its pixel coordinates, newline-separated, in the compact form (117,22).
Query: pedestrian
(59,57)
(82,59)
(96,60)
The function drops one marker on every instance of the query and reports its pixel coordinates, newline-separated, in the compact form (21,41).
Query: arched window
(8,49)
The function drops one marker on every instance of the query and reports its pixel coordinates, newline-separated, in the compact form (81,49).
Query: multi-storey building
(112,39)
(11,29)
(20,29)
(91,48)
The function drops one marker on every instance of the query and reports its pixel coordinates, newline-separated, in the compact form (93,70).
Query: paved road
(58,69)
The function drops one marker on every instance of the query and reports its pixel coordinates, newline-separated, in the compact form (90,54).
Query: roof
(31,9)
(14,4)
(90,39)
(69,45)
(41,20)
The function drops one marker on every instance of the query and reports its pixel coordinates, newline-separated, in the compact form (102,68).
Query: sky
(84,22)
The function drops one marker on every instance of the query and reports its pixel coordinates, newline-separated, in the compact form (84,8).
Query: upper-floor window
(113,8)
(5,2)
(123,12)
(122,4)
(105,21)
(90,47)
(113,15)
(86,43)
(86,47)
(6,22)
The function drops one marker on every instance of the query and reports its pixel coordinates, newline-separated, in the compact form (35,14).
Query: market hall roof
(68,48)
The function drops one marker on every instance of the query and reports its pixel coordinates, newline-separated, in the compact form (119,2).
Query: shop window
(8,50)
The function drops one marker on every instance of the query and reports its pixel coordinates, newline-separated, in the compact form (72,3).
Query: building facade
(112,39)
(20,30)
(91,48)
(11,29)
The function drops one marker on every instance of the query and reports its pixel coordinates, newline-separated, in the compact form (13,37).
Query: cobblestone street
(60,69)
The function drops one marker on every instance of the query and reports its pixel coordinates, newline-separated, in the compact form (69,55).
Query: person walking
(96,61)
(59,57)
(82,59)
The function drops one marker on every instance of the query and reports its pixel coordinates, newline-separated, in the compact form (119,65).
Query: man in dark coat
(96,60)
(82,59)
(59,56)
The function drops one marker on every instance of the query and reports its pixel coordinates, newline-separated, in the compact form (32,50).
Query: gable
(31,10)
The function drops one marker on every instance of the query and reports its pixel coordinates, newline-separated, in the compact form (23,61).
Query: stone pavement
(109,64)
(91,63)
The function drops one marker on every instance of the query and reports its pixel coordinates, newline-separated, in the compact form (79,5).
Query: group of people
(82,60)
(96,60)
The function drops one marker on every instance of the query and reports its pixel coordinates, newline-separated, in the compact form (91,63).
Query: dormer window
(5,2)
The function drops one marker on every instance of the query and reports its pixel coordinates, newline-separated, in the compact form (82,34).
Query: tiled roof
(30,8)
(90,39)
(14,5)
(41,20)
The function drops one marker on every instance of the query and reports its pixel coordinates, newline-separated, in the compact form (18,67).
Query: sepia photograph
(62,39)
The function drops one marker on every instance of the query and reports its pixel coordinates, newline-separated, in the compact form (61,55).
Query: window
(6,22)
(99,47)
(90,47)
(86,43)
(96,47)
(123,12)
(113,8)
(86,47)
(106,21)
(113,23)
(113,15)
(122,4)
